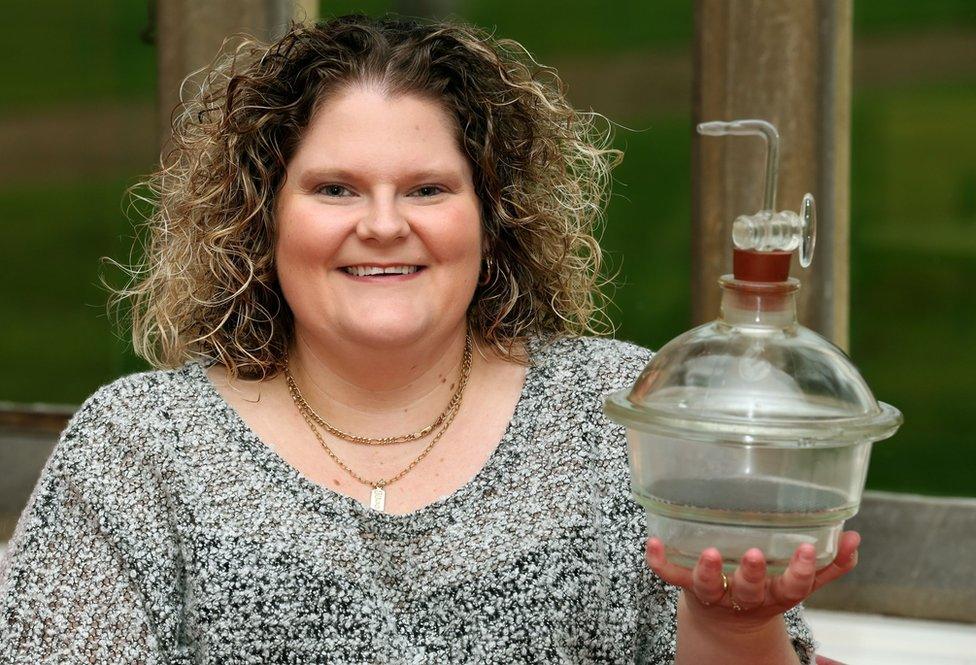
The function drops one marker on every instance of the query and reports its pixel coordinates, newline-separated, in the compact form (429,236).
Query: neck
(380,391)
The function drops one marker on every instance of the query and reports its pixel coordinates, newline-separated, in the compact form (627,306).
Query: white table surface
(868,639)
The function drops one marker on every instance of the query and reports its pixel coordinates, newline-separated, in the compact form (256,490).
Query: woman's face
(378,182)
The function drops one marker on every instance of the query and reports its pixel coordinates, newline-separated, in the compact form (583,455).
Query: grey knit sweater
(162,530)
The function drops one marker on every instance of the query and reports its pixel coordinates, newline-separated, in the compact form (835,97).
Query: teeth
(363,271)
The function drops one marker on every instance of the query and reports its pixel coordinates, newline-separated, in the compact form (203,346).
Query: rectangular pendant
(377,499)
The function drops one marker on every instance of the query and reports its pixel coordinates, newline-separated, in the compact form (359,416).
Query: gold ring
(735,605)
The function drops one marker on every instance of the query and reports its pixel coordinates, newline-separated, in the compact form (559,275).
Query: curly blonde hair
(206,287)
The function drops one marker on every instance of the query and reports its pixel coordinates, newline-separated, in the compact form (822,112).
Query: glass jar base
(684,541)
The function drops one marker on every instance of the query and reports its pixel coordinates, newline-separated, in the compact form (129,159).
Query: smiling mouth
(393,271)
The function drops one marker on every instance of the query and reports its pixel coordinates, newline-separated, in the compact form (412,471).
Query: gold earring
(487,278)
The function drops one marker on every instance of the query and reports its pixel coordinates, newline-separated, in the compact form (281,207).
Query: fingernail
(807,554)
(654,550)
(755,555)
(853,559)
(711,564)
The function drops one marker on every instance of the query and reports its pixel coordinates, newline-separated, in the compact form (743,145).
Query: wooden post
(190,32)
(788,63)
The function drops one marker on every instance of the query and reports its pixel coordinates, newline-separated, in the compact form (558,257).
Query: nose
(383,222)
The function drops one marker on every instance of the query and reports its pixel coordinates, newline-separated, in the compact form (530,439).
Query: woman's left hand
(751,596)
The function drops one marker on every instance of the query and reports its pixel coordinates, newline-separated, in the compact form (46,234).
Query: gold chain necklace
(386,440)
(377,497)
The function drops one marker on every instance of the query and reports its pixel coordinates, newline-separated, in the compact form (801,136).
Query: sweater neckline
(502,459)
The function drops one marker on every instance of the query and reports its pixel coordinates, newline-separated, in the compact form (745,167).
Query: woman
(374,433)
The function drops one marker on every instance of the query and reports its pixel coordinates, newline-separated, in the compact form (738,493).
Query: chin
(389,334)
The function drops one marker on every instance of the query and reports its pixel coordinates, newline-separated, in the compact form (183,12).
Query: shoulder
(125,417)
(606,364)
(587,370)
(134,397)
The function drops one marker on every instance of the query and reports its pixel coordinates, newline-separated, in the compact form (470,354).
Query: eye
(428,188)
(332,190)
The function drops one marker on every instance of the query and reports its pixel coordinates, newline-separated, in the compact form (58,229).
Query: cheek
(462,235)
(466,246)
(305,243)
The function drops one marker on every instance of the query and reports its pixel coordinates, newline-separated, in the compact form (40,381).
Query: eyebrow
(324,173)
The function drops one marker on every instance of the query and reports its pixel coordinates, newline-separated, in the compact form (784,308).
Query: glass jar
(752,430)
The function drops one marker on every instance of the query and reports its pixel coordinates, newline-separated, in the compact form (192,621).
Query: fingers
(707,582)
(843,563)
(667,571)
(796,583)
(749,581)
(748,587)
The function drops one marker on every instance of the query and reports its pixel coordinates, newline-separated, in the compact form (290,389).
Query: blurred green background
(77,125)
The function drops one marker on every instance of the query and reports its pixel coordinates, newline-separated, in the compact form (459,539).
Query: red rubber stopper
(752,266)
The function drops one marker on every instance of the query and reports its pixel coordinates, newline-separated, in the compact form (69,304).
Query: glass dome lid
(761,383)
(755,376)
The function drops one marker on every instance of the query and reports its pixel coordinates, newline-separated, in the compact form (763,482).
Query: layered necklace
(377,497)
